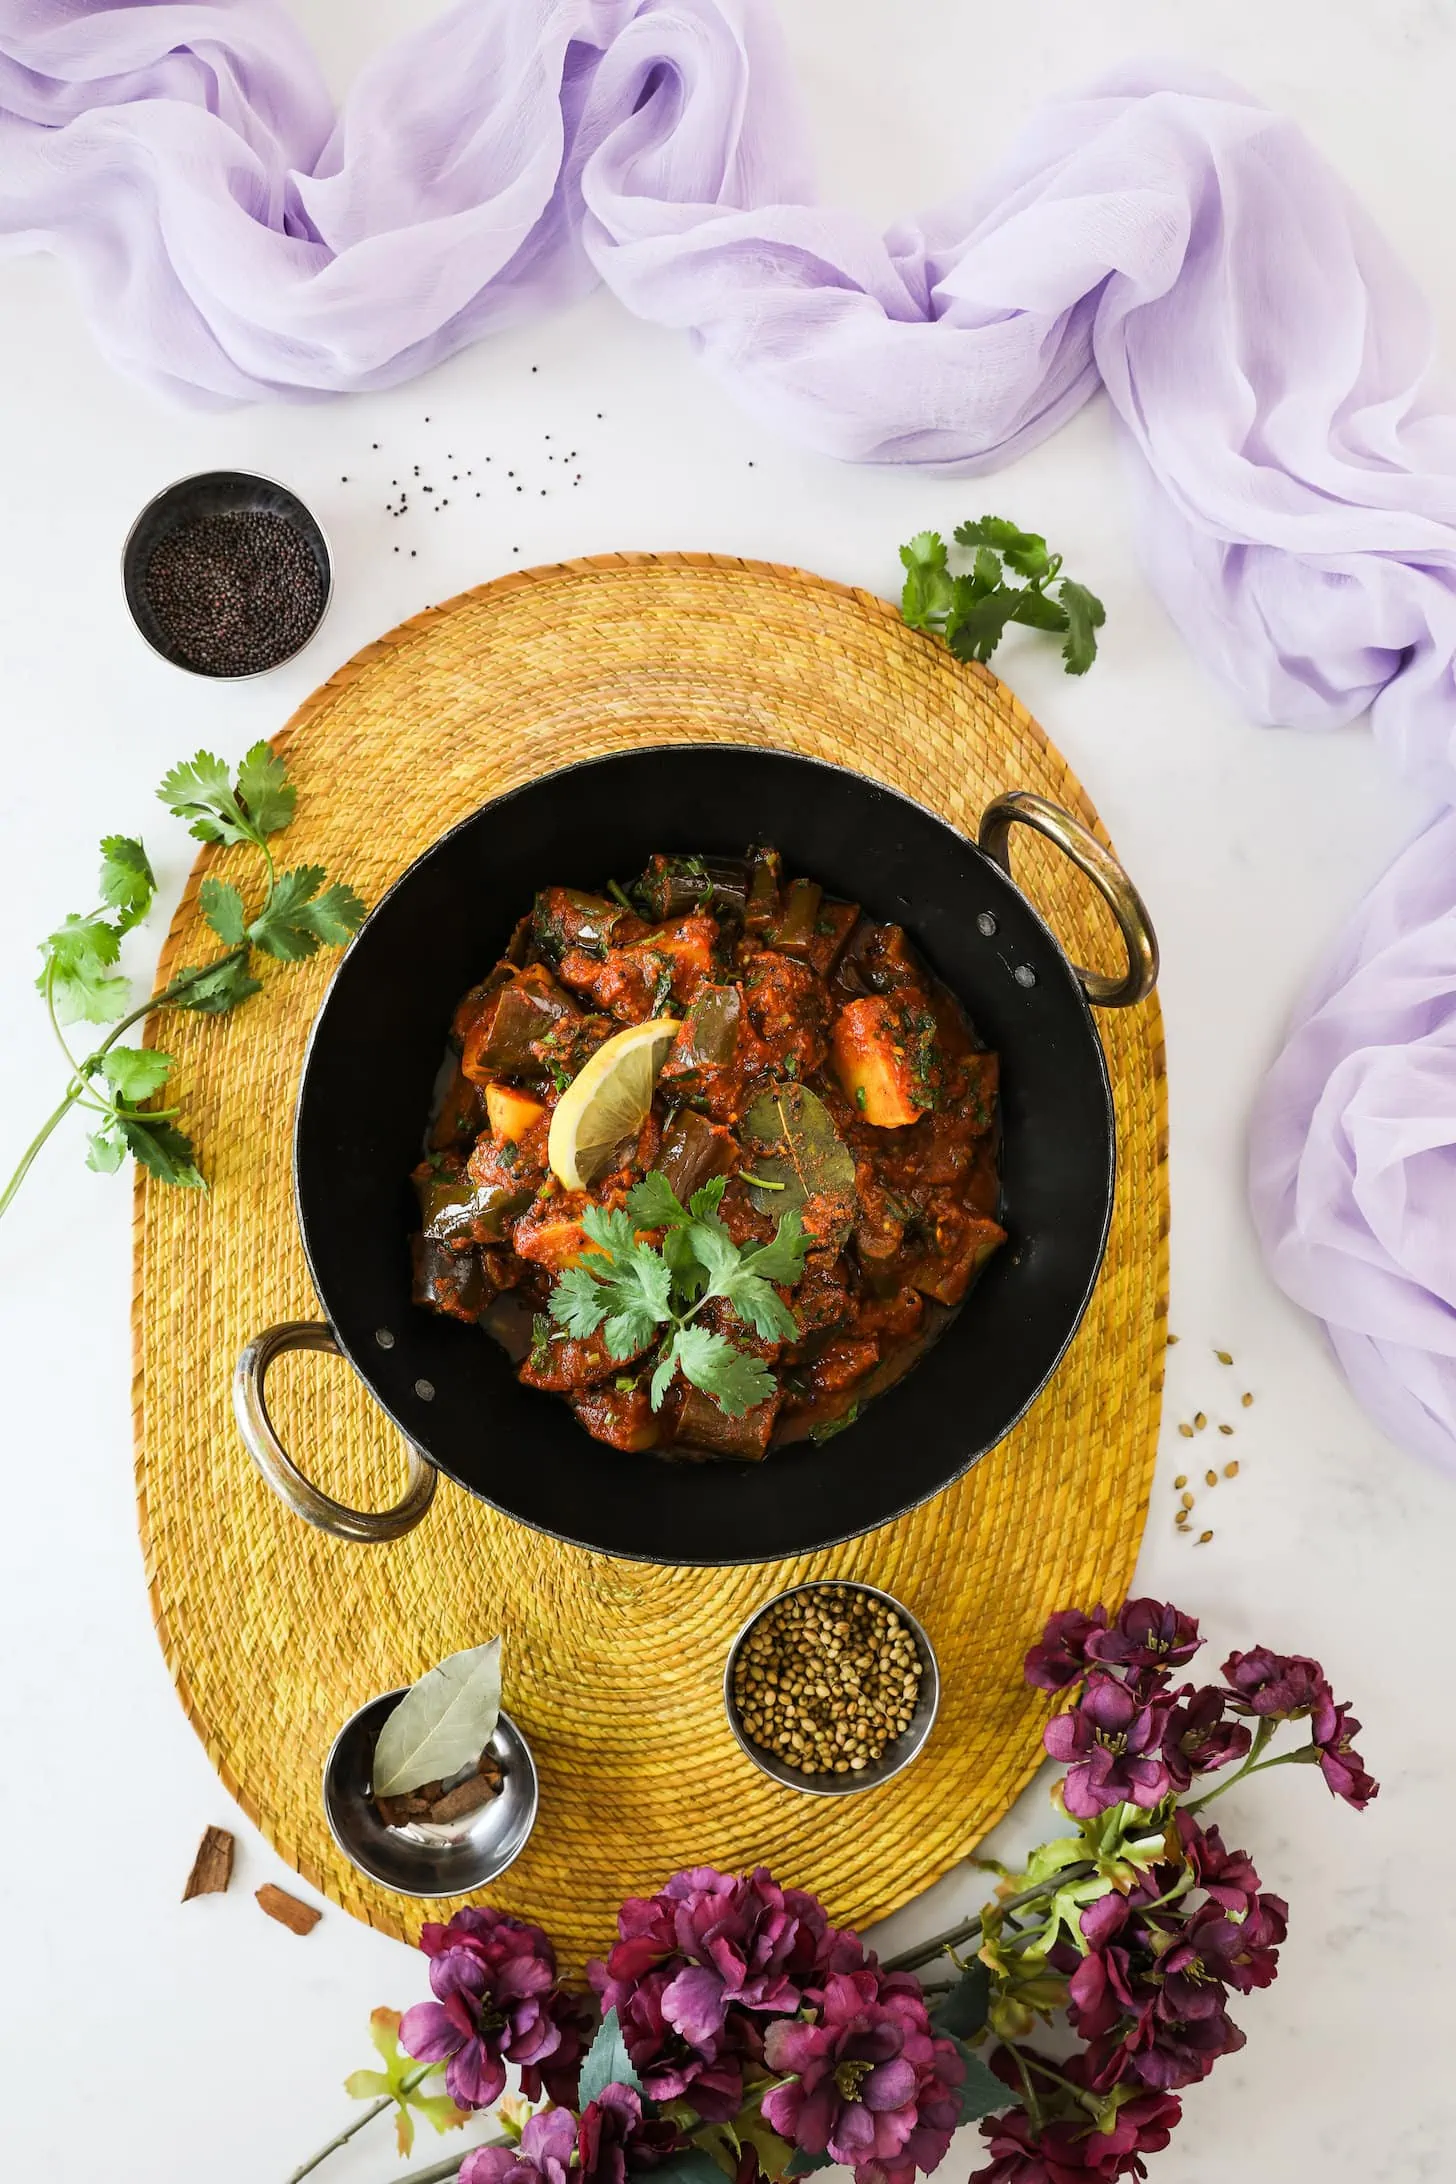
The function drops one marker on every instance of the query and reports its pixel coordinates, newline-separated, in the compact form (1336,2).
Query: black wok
(366,1088)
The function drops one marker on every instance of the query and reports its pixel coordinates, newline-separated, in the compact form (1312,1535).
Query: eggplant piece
(701,1424)
(763,890)
(794,928)
(695,1150)
(564,917)
(622,1417)
(672,886)
(456,1211)
(707,1041)
(460,1116)
(531,1007)
(452,1282)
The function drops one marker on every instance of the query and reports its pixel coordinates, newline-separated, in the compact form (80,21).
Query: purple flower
(1148,1635)
(1275,1686)
(1111,1745)
(1062,1655)
(496,2001)
(543,2156)
(1074,2149)
(1242,1952)
(1334,1730)
(1227,1876)
(614,2138)
(867,2082)
(1197,1739)
(697,1964)
(1148,1999)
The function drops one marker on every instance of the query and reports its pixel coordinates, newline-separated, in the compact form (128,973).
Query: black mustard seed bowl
(216,493)
(383,1024)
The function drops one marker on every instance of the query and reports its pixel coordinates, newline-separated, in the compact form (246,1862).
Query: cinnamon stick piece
(212,1868)
(299,1918)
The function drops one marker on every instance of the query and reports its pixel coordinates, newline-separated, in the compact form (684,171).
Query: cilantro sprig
(972,610)
(291,916)
(635,1293)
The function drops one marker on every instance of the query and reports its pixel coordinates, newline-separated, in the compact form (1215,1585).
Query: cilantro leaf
(264,789)
(614,1233)
(1024,551)
(77,960)
(736,1381)
(1085,616)
(1037,611)
(926,595)
(783,1259)
(578,1302)
(761,1307)
(974,609)
(128,883)
(134,1073)
(715,1252)
(200,790)
(666,1366)
(689,1276)
(653,1203)
(297,918)
(224,910)
(162,1150)
(106,1149)
(218,988)
(707,1199)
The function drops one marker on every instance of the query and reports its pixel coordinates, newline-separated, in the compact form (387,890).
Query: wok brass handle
(250,1408)
(1020,808)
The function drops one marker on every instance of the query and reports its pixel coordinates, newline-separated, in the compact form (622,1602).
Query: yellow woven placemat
(274,1633)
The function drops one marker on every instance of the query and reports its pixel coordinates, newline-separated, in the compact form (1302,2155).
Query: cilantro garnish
(636,1293)
(81,983)
(971,611)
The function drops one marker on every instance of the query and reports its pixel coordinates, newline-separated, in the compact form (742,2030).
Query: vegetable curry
(782,1231)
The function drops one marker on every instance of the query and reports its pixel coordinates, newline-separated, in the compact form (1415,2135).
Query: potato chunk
(874,1064)
(511,1112)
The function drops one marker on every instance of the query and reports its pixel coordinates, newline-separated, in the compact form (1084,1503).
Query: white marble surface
(148,2040)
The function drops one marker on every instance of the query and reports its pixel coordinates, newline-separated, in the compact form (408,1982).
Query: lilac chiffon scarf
(1163,237)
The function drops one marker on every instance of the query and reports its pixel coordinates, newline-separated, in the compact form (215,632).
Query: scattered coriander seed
(1172,1340)
(827,1680)
(1200,1420)
(1210,1478)
(1187,1501)
(1246,1399)
(1182,1479)
(1186,1430)
(1204,1538)
(1225,1429)
(1230,1471)
(1223,1357)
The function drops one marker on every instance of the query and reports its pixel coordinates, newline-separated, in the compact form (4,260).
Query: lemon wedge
(607,1101)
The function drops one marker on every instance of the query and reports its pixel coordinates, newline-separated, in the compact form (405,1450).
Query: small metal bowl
(472,1851)
(215,493)
(896,1756)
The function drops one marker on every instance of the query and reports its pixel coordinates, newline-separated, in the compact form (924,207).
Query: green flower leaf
(963,2009)
(981,2092)
(607,2062)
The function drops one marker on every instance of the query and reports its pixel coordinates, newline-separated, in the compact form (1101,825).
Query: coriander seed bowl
(227,574)
(896,1755)
(441,1859)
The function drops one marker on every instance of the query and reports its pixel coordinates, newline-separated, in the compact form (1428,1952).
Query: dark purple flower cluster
(720,1978)
(1131,1736)
(497,2001)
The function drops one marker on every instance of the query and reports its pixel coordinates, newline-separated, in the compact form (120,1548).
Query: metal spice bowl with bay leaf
(454,1394)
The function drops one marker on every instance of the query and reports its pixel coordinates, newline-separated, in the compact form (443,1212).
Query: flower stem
(1262,1734)
(437,2172)
(375,2108)
(971,1929)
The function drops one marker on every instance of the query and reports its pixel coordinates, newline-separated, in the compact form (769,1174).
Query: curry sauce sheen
(814,1044)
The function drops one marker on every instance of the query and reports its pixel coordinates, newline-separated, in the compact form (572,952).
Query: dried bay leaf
(788,1138)
(442,1724)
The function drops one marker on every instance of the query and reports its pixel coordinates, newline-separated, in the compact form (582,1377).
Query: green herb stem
(27,1158)
(973,1928)
(342,2138)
